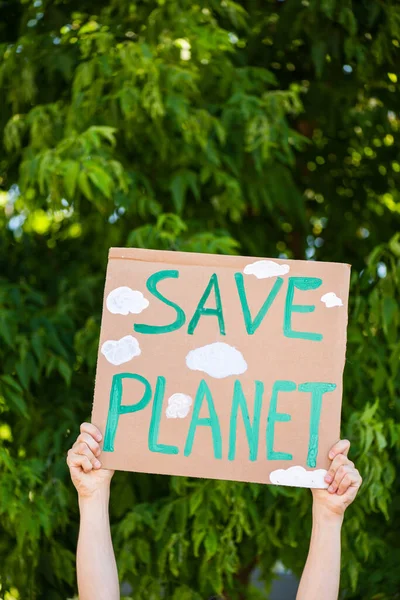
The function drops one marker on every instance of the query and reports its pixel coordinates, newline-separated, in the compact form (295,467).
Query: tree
(261,128)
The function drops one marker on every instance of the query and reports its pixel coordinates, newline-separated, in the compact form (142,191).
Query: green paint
(252,430)
(154,428)
(215,312)
(203,391)
(252,326)
(317,391)
(116,408)
(273,417)
(151,284)
(304,284)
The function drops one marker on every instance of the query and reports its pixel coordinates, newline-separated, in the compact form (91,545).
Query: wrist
(326,516)
(98,498)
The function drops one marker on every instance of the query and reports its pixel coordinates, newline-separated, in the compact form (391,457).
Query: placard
(224,367)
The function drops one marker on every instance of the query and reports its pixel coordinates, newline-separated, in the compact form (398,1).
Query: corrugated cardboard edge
(101,324)
(196,258)
(345,336)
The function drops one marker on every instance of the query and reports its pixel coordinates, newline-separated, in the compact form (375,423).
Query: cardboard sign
(222,367)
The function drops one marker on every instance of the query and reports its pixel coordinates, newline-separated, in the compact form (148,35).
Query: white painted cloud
(263,269)
(299,477)
(330,299)
(123,300)
(121,351)
(218,360)
(178,406)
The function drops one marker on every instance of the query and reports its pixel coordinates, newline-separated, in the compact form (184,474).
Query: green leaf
(195,500)
(9,381)
(6,329)
(84,185)
(381,440)
(65,370)
(180,183)
(143,551)
(37,341)
(328,7)
(105,132)
(71,173)
(369,412)
(22,369)
(348,20)
(101,180)
(14,399)
(198,537)
(211,543)
(318,53)
(181,515)
(389,311)
(162,519)
(394,244)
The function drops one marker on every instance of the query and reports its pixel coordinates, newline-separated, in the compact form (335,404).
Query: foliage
(261,128)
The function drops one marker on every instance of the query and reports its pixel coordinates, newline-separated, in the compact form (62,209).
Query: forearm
(96,566)
(321,575)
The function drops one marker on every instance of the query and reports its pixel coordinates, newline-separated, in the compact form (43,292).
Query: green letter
(154,428)
(317,391)
(152,287)
(273,417)
(252,430)
(301,283)
(252,326)
(116,408)
(212,421)
(216,312)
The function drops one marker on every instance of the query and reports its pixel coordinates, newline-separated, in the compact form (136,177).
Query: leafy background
(263,128)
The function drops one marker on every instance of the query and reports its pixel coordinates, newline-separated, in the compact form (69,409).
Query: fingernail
(99,437)
(331,455)
(97,464)
(330,488)
(328,478)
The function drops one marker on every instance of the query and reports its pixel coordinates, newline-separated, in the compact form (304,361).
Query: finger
(352,479)
(91,430)
(340,473)
(341,447)
(91,442)
(337,462)
(83,448)
(81,461)
(345,484)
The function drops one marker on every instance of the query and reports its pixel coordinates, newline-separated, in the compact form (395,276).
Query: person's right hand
(84,466)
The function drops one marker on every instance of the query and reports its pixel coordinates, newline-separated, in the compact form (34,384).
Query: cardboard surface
(270,395)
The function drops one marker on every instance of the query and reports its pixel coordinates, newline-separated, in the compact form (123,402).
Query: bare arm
(95,560)
(321,575)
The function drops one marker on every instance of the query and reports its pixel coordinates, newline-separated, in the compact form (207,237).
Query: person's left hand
(344,482)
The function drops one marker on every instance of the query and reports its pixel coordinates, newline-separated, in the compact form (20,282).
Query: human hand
(86,473)
(344,482)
